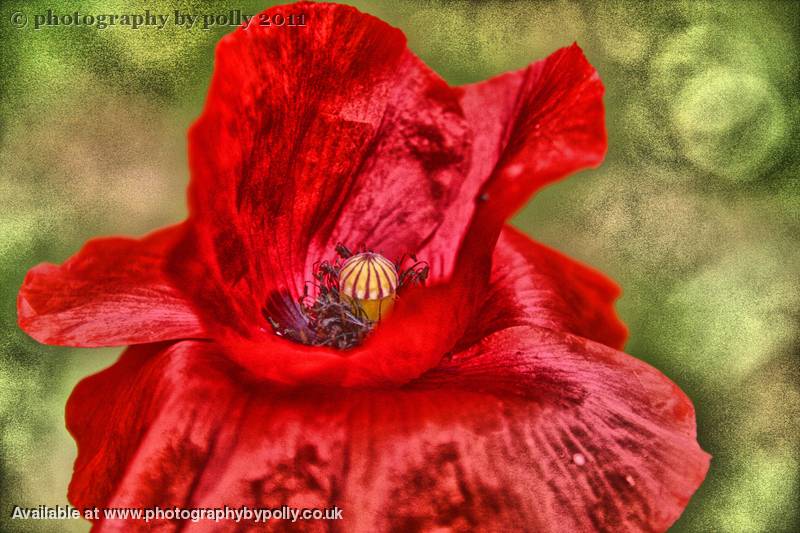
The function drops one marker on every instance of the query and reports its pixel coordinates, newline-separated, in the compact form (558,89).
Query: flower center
(369,281)
(353,294)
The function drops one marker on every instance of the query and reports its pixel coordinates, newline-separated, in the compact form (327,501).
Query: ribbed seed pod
(371,280)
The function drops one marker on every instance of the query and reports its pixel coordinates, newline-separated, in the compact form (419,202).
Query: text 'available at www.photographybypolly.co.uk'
(198,514)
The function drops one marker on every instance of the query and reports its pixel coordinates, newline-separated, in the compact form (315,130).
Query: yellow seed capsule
(371,280)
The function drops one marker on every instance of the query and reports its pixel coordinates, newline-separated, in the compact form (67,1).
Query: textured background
(694,213)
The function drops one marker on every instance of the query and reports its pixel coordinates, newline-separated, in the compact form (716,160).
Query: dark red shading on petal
(312,135)
(530,429)
(614,445)
(532,284)
(113,292)
(531,127)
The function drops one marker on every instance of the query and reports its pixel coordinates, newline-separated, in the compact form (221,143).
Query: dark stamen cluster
(334,320)
(416,274)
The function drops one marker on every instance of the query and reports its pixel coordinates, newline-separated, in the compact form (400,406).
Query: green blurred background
(694,213)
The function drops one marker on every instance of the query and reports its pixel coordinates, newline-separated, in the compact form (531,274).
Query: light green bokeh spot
(729,122)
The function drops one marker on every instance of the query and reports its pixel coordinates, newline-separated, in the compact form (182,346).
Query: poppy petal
(331,132)
(578,448)
(614,447)
(557,125)
(532,284)
(113,292)
(531,127)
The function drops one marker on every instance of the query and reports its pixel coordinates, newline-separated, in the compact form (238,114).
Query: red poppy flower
(494,397)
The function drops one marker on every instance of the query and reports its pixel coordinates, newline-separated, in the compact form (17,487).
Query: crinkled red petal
(113,292)
(530,127)
(532,284)
(529,429)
